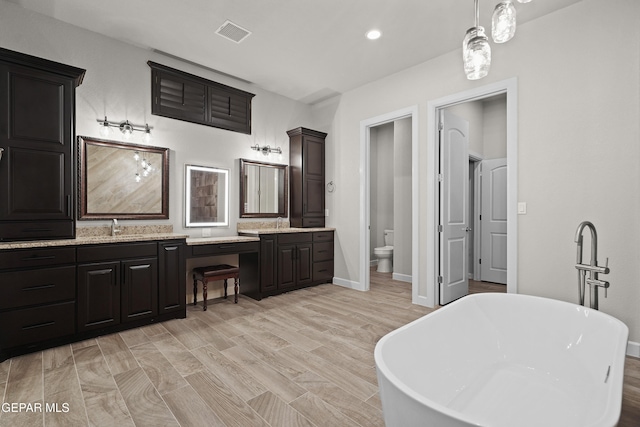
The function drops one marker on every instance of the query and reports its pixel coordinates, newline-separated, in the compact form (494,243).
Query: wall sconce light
(126,128)
(266,149)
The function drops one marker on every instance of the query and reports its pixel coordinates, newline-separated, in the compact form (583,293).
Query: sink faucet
(278,223)
(592,267)
(114,227)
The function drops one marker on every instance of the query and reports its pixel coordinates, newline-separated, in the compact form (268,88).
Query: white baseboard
(373,263)
(348,284)
(402,277)
(633,349)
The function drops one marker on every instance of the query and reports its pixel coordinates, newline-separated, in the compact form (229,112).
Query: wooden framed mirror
(121,180)
(206,196)
(264,189)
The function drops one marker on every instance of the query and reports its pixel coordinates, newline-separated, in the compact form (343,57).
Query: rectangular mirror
(206,196)
(124,181)
(264,190)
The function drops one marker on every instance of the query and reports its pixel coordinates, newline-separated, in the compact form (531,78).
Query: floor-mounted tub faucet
(592,267)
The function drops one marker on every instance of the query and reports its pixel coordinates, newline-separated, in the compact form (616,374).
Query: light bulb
(478,58)
(138,177)
(105,130)
(146,137)
(503,22)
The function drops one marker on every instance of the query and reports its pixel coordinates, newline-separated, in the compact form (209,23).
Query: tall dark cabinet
(37,167)
(306,177)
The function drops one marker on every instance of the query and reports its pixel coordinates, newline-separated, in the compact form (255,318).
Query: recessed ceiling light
(373,34)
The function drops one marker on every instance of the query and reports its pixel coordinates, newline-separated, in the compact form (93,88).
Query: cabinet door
(286,266)
(139,289)
(98,295)
(268,279)
(304,264)
(313,182)
(36,133)
(172,286)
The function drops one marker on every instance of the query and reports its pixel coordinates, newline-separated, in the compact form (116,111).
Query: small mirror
(206,196)
(124,181)
(263,190)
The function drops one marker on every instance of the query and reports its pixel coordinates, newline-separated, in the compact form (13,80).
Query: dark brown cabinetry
(179,95)
(51,296)
(37,166)
(37,296)
(291,261)
(306,166)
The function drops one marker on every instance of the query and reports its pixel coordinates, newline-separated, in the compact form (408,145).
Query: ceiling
(307,50)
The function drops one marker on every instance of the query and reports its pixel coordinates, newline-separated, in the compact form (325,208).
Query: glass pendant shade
(503,22)
(477,55)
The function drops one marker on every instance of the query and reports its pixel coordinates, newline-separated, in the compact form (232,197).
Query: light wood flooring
(300,359)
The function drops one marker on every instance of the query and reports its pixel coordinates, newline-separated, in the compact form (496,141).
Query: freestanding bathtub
(504,360)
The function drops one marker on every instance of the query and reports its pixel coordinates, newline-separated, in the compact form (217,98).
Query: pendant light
(476,52)
(503,22)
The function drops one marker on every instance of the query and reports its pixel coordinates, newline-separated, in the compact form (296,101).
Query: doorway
(366,127)
(509,88)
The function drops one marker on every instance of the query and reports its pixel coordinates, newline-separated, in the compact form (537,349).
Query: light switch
(522,208)
(326,212)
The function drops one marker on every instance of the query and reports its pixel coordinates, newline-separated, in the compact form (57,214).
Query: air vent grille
(233,32)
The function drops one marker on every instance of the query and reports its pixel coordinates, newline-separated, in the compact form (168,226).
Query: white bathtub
(504,360)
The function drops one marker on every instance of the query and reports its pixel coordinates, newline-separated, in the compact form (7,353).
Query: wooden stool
(214,272)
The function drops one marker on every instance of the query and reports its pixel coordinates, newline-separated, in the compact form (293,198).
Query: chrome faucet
(278,223)
(114,227)
(592,267)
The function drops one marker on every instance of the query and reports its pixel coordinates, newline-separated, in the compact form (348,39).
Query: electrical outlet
(206,232)
(326,212)
(522,208)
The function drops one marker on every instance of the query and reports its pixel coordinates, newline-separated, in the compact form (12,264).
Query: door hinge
(480,261)
(481,217)
(440,228)
(439,279)
(440,177)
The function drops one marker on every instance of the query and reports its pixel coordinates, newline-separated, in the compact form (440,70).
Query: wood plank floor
(298,359)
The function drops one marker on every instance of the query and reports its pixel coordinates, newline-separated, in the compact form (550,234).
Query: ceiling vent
(233,32)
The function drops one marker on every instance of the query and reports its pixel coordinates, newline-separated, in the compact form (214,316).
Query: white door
(454,222)
(493,264)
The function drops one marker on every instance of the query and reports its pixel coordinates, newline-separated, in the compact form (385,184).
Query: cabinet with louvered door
(184,96)
(177,97)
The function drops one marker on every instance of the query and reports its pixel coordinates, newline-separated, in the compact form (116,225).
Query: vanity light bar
(126,128)
(266,149)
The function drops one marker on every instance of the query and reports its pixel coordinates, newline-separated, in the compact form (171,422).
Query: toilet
(385,253)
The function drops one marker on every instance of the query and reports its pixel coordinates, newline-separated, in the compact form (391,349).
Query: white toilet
(385,253)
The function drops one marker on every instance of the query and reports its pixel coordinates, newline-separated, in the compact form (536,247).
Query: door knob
(467,229)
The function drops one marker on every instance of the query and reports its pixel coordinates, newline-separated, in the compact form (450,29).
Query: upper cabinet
(179,95)
(37,165)
(306,164)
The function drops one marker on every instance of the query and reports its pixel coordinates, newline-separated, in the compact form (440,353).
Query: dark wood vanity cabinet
(37,165)
(117,283)
(37,297)
(51,296)
(291,261)
(307,176)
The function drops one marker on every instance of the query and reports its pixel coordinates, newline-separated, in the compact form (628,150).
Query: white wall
(402,199)
(578,151)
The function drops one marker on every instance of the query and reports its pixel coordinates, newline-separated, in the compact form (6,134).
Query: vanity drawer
(323,271)
(312,222)
(117,251)
(286,238)
(322,251)
(27,258)
(41,286)
(224,248)
(323,236)
(32,325)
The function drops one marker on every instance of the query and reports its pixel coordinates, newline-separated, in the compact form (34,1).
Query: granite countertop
(90,240)
(259,231)
(218,240)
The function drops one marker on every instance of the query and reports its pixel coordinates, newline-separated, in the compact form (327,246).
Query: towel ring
(331,187)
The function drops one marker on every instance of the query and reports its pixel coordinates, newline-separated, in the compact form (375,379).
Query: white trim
(633,349)
(365,154)
(402,277)
(348,284)
(510,87)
